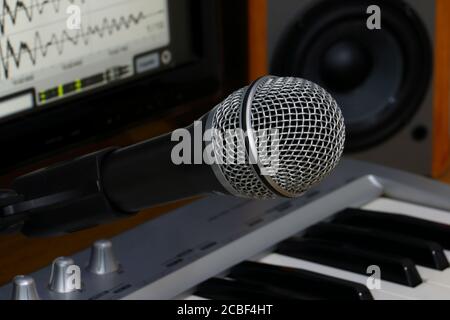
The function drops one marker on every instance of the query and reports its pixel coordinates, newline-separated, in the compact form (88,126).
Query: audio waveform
(39,47)
(35,7)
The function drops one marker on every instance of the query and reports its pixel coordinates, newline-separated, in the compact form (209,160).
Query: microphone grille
(228,148)
(297,118)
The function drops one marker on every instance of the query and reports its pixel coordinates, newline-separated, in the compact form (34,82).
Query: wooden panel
(441,142)
(257,35)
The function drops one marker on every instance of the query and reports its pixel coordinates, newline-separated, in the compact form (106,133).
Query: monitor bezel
(109,110)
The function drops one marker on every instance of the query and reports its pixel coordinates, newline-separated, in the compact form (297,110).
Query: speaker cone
(379,77)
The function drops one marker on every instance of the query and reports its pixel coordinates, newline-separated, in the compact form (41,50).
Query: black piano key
(426,253)
(397,223)
(393,268)
(229,289)
(304,282)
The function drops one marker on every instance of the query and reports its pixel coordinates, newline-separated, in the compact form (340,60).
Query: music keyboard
(319,246)
(435,284)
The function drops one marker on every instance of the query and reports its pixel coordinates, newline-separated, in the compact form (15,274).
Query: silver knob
(102,260)
(24,288)
(65,276)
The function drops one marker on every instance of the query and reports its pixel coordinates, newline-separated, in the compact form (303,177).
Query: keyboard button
(307,283)
(394,269)
(396,223)
(422,252)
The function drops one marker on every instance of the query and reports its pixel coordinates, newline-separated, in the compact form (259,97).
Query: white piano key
(388,291)
(447,254)
(408,209)
(441,278)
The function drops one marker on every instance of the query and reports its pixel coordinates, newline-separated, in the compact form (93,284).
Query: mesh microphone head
(277,137)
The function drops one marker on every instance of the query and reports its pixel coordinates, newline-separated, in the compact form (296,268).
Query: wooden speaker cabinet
(393,84)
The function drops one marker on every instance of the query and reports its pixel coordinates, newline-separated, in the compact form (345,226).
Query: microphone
(275,138)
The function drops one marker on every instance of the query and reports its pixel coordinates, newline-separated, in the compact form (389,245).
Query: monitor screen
(52,50)
(74,73)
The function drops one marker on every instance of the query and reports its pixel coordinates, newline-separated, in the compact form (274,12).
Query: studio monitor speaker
(392,82)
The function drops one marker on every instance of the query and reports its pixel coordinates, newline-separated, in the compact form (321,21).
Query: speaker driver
(379,77)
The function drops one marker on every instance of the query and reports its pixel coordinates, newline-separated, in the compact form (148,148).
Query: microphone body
(142,175)
(274,138)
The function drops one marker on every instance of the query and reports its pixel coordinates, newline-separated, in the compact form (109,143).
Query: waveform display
(20,9)
(52,43)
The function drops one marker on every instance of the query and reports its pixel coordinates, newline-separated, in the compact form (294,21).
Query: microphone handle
(143,175)
(105,186)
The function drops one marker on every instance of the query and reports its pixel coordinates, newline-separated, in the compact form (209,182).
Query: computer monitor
(71,69)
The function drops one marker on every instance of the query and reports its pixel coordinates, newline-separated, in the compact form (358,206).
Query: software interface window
(51,50)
